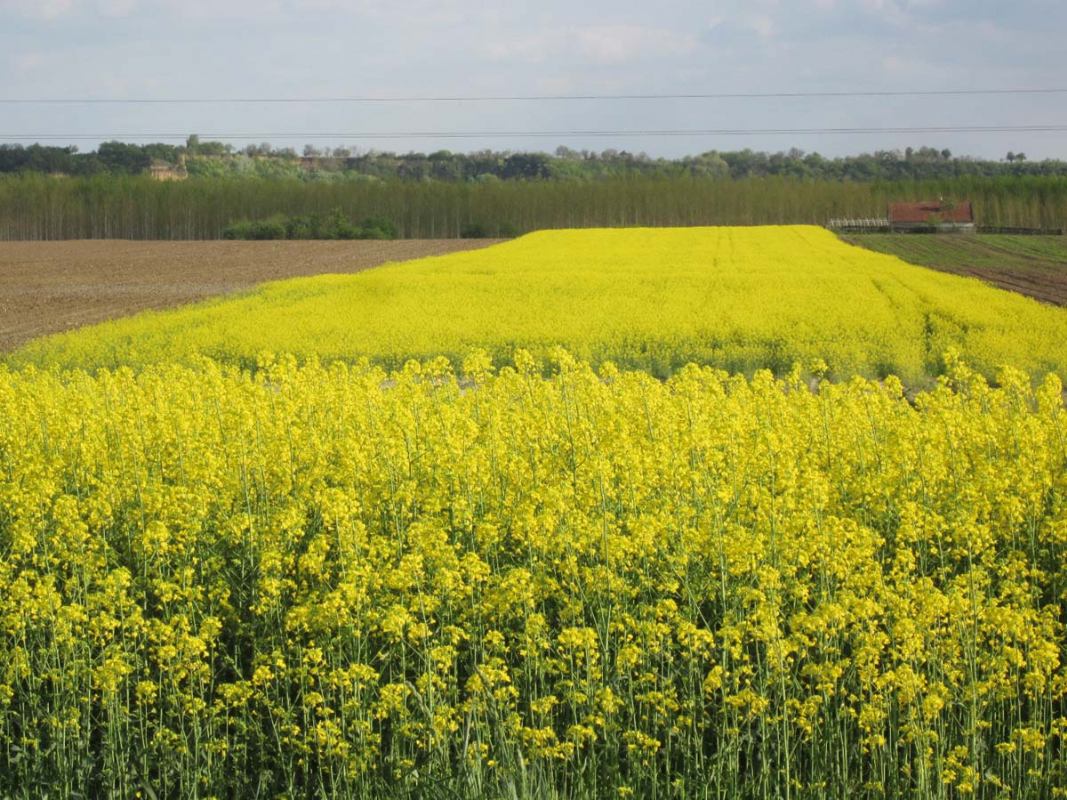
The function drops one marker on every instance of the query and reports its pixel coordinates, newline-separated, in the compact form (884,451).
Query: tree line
(110,158)
(313,164)
(35,206)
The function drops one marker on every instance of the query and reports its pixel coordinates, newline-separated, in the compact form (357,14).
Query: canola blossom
(320,581)
(654,299)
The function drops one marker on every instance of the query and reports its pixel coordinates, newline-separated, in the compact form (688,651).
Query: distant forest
(135,191)
(35,206)
(218,160)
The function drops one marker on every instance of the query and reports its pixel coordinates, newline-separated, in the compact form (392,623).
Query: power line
(597,133)
(528,97)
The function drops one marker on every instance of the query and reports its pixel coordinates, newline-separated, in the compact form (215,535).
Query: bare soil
(48,287)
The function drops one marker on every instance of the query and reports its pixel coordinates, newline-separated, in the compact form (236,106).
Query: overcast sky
(317,48)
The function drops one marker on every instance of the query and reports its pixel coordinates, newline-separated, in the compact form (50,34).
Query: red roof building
(931,214)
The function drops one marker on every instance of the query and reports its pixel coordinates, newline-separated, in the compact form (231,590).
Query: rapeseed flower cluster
(543,580)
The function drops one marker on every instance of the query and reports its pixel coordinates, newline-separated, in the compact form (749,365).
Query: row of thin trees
(37,207)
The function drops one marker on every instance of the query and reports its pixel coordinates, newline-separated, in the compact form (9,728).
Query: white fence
(859,225)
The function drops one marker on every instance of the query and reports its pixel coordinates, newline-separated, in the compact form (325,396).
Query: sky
(197,49)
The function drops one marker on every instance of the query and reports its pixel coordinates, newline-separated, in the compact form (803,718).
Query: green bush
(474,230)
(237,230)
(299,228)
(258,230)
(478,230)
(273,228)
(332,225)
(379,228)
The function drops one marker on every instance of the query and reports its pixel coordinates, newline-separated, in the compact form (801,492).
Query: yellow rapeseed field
(430,553)
(654,299)
(314,581)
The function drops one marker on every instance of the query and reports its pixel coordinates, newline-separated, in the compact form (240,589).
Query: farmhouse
(936,217)
(164,171)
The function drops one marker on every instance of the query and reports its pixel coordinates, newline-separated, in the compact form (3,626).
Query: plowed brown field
(47,287)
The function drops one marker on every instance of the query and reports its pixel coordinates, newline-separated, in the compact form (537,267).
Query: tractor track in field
(50,287)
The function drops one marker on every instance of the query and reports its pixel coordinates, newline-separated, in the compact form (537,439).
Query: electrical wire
(593,133)
(531,97)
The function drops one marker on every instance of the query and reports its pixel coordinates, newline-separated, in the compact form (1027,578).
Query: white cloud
(761,24)
(617,44)
(56,9)
(900,12)
(117,8)
(600,44)
(38,9)
(28,62)
(202,10)
(316,12)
